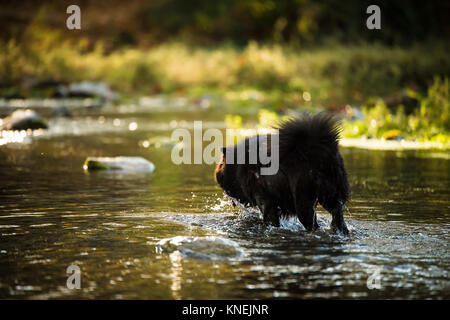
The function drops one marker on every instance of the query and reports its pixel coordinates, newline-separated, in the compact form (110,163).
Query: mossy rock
(94,165)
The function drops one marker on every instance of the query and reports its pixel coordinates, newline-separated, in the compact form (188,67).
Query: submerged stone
(92,89)
(23,120)
(121,164)
(203,248)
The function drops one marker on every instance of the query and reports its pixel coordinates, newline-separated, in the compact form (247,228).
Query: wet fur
(311,171)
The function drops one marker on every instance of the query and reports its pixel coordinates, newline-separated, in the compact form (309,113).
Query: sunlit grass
(274,77)
(280,75)
(430,122)
(428,126)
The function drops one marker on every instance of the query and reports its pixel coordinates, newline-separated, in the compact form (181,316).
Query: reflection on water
(53,214)
(176,273)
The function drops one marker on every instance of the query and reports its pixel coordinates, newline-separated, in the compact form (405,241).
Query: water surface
(53,214)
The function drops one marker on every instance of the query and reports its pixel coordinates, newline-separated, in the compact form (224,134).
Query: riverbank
(389,145)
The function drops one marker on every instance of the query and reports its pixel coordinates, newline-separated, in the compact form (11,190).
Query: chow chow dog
(310,171)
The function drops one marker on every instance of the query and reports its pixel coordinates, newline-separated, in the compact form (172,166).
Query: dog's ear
(224,150)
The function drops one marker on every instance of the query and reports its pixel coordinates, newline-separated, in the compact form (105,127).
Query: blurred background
(274,55)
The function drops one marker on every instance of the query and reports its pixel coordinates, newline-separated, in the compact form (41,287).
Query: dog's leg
(306,213)
(305,201)
(316,224)
(271,215)
(269,211)
(337,222)
(304,208)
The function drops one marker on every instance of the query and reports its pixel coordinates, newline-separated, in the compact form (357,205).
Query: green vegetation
(306,22)
(278,76)
(430,122)
(94,165)
(402,91)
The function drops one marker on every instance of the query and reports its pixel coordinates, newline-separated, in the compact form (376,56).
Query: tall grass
(429,122)
(273,77)
(331,76)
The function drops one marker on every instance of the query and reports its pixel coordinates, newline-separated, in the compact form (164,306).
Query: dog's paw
(340,229)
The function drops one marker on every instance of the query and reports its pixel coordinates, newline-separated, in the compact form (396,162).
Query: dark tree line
(135,22)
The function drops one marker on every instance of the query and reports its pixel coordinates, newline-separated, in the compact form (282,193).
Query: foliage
(274,77)
(277,76)
(301,22)
(429,122)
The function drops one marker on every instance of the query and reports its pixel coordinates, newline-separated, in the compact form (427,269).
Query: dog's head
(229,177)
(219,173)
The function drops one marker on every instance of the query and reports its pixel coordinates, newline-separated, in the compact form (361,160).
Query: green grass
(429,122)
(273,77)
(331,75)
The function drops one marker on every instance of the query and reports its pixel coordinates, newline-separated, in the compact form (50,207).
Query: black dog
(311,171)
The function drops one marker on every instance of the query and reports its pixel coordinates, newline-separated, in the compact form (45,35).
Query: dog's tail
(309,137)
(314,140)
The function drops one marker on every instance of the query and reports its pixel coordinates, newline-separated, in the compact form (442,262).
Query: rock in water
(203,248)
(92,89)
(23,120)
(120,164)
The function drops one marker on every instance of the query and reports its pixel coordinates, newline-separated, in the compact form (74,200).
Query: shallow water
(116,227)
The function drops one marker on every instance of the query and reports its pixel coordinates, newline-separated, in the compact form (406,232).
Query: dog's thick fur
(311,171)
